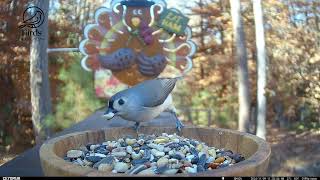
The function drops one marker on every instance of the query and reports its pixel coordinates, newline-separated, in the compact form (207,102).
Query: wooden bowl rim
(259,157)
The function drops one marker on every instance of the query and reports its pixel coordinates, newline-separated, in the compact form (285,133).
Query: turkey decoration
(136,40)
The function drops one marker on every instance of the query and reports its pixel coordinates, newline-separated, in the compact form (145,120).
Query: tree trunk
(39,77)
(209,117)
(190,116)
(241,58)
(261,69)
(83,14)
(315,13)
(253,120)
(292,15)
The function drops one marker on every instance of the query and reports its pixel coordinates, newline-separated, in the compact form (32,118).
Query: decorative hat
(137,3)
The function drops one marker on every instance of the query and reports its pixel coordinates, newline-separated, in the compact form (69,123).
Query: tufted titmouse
(144,102)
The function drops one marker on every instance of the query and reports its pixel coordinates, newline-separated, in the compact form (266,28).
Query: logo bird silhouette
(36,19)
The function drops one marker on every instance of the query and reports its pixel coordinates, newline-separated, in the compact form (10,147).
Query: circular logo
(33,17)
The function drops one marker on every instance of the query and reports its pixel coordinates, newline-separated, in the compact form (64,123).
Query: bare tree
(316,15)
(241,58)
(39,76)
(261,69)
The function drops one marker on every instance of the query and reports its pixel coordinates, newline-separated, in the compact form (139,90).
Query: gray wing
(154,92)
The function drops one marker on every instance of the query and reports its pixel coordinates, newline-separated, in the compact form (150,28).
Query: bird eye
(110,104)
(121,102)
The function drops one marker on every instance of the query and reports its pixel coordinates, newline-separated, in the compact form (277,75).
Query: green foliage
(306,119)
(223,114)
(305,126)
(77,97)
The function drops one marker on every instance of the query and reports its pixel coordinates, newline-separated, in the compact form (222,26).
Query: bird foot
(136,127)
(179,124)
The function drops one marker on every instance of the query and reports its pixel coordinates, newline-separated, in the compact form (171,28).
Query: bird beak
(110,113)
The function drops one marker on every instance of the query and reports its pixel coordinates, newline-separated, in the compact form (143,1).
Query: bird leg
(179,124)
(136,127)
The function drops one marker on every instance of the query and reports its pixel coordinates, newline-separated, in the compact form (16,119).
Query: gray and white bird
(144,102)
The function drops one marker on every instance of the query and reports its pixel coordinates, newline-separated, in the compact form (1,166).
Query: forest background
(207,97)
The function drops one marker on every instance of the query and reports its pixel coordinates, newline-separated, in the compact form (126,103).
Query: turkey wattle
(127,41)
